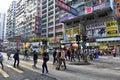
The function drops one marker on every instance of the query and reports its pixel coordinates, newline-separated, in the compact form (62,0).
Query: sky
(4,5)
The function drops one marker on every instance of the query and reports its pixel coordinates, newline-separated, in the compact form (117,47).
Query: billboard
(67,17)
(67,8)
(111,28)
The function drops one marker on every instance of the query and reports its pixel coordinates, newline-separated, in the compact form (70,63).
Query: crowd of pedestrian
(60,56)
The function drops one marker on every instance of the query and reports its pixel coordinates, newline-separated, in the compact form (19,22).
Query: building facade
(10,24)
(28,19)
(2,26)
(97,19)
(51,26)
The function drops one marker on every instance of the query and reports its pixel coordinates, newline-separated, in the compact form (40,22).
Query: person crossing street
(45,60)
(16,58)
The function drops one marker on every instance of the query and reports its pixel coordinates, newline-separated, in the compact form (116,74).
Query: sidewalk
(109,59)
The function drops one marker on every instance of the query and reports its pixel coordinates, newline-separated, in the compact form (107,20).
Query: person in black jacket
(35,57)
(16,58)
(45,60)
(54,56)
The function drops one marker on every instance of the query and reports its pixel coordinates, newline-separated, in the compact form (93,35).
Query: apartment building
(51,26)
(99,19)
(28,19)
(2,26)
(10,23)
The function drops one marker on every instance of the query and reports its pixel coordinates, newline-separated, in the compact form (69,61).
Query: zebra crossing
(26,65)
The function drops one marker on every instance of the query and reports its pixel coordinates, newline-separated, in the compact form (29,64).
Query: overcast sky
(4,5)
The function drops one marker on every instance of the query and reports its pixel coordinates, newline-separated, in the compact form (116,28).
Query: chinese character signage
(111,28)
(66,7)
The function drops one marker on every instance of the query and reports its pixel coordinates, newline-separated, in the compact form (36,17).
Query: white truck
(35,46)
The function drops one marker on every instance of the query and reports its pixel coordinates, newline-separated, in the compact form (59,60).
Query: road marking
(15,69)
(105,69)
(30,68)
(4,73)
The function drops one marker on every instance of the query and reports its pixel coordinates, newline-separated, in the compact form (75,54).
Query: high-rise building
(51,26)
(2,26)
(11,18)
(28,17)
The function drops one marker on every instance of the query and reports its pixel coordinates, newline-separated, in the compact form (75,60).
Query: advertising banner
(67,8)
(76,31)
(69,32)
(111,28)
(67,17)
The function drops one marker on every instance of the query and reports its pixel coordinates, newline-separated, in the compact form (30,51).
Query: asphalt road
(104,68)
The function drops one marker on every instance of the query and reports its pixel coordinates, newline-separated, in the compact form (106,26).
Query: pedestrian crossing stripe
(15,69)
(39,63)
(30,68)
(4,73)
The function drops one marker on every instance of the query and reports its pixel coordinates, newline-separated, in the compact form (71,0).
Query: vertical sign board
(37,24)
(111,28)
(117,2)
(66,7)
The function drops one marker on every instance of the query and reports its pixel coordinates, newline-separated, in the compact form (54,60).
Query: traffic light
(77,37)
(84,38)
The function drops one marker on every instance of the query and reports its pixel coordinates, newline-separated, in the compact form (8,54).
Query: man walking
(45,60)
(35,57)
(1,59)
(16,58)
(54,56)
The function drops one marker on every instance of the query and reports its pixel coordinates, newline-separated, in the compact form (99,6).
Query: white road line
(15,69)
(4,73)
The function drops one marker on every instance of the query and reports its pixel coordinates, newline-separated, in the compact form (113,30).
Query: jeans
(44,66)
(15,62)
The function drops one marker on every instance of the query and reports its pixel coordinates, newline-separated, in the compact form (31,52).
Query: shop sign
(67,17)
(67,8)
(66,38)
(111,28)
(70,38)
(69,32)
(88,10)
(76,31)
(101,6)
(95,26)
(54,40)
